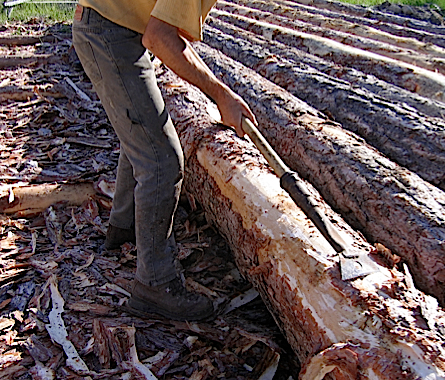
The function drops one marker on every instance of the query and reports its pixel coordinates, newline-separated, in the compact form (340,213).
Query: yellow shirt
(187,15)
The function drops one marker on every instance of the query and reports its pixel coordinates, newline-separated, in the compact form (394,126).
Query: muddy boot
(117,236)
(170,300)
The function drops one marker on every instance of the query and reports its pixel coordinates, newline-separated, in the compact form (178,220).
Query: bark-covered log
(356,78)
(396,30)
(426,61)
(368,12)
(411,139)
(369,328)
(27,40)
(405,75)
(339,24)
(388,203)
(13,61)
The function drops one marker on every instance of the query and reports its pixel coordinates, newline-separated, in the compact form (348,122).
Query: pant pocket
(86,55)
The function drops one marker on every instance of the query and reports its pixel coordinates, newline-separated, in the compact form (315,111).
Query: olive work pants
(151,163)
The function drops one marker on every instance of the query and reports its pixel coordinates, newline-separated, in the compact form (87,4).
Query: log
(411,139)
(38,59)
(388,203)
(364,329)
(356,79)
(426,61)
(396,30)
(27,40)
(367,12)
(405,75)
(33,199)
(339,24)
(25,93)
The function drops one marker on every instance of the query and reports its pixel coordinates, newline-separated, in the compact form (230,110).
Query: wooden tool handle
(295,187)
(264,147)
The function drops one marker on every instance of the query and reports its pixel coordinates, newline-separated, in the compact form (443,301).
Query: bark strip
(390,204)
(411,139)
(364,329)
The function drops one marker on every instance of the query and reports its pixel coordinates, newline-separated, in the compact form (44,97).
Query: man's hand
(232,108)
(169,45)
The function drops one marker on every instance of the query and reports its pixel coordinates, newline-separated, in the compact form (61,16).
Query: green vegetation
(45,12)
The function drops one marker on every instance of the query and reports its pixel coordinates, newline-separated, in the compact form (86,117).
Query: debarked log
(358,28)
(407,137)
(355,78)
(31,199)
(364,329)
(390,204)
(416,79)
(430,62)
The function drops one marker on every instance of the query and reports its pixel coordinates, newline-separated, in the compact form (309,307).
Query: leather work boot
(117,236)
(171,300)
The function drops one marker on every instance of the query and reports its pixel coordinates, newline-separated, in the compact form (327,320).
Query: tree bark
(364,329)
(360,27)
(355,78)
(13,61)
(366,12)
(410,77)
(426,61)
(25,93)
(396,30)
(27,40)
(388,203)
(407,137)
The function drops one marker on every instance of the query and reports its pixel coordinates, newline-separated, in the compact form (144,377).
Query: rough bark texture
(434,62)
(397,30)
(339,24)
(410,77)
(407,137)
(355,78)
(367,12)
(365,329)
(388,203)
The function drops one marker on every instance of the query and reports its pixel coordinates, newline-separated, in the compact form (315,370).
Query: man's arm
(165,41)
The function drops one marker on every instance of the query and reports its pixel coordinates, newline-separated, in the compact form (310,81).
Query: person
(116,41)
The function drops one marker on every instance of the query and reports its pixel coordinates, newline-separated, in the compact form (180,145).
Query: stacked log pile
(367,189)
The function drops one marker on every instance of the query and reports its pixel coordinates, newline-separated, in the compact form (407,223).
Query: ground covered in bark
(62,296)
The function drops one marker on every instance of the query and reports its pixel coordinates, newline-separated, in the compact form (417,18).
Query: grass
(65,12)
(46,12)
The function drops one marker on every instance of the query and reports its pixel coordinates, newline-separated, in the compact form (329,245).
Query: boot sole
(145,307)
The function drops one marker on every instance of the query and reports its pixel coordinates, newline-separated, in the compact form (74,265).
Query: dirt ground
(62,296)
